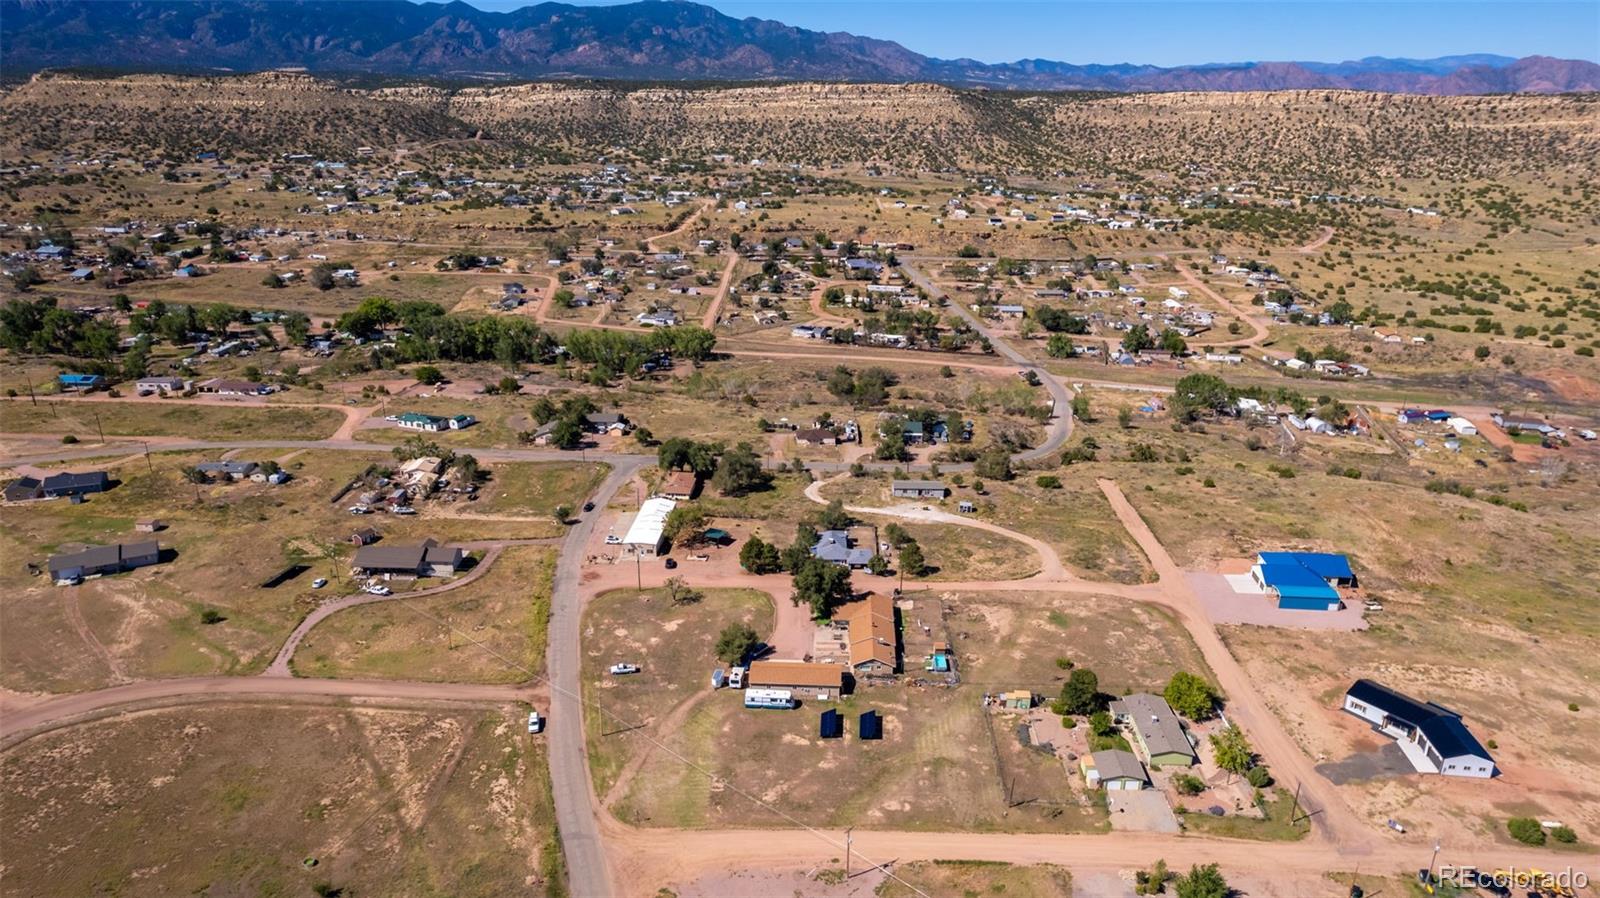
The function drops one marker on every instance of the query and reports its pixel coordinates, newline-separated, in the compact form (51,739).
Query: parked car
(360,509)
(535,722)
(613,540)
(619,669)
(672,564)
(588,506)
(319,582)
(402,510)
(378,589)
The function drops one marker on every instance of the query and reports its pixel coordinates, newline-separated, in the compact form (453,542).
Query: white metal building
(645,535)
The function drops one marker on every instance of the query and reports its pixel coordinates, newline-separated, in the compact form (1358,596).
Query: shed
(832,725)
(148,525)
(869,727)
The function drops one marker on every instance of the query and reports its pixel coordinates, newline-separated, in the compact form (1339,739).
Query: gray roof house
(112,559)
(918,489)
(1157,728)
(1115,769)
(423,559)
(835,546)
(68,483)
(233,470)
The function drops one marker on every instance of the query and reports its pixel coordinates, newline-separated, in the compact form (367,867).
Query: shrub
(1048,481)
(211,616)
(1209,483)
(1189,784)
(1525,830)
(1564,835)
(69,439)
(1259,776)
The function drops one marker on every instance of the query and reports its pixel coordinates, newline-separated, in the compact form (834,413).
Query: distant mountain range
(646,41)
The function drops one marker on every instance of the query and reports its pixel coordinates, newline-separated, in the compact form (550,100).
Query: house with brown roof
(873,638)
(679,485)
(823,682)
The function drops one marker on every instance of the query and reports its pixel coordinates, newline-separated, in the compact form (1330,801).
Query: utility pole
(148,463)
(1294,811)
(98,427)
(848,839)
(638,570)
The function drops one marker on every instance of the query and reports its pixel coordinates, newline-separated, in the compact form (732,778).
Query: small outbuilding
(1114,770)
(869,727)
(831,725)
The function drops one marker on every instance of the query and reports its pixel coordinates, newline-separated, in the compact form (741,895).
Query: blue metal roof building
(1303,581)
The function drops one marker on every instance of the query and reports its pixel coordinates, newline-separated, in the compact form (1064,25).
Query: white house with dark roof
(1431,736)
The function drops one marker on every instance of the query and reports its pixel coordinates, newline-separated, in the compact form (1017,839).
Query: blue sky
(1178,32)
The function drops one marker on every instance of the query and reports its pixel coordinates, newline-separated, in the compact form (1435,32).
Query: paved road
(1060,427)
(577,807)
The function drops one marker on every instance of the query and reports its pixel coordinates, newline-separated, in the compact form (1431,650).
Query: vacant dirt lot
(229,800)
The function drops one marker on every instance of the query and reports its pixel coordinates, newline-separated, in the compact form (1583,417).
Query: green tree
(759,556)
(561,513)
(686,523)
(1100,723)
(1081,693)
(679,592)
(1080,408)
(1195,394)
(1190,696)
(1232,750)
(735,642)
(1137,338)
(1202,882)
(1059,346)
(428,374)
(822,585)
(912,562)
(739,472)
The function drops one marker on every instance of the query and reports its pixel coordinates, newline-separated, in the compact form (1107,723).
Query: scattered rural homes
(1303,581)
(100,560)
(918,489)
(434,423)
(425,559)
(1159,732)
(1113,770)
(1431,736)
(606,422)
(805,679)
(679,486)
(646,537)
(837,546)
(873,639)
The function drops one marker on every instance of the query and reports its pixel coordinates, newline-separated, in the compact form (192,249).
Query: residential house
(233,470)
(873,638)
(99,560)
(1156,728)
(658,318)
(837,546)
(606,422)
(822,682)
(1114,770)
(424,559)
(23,489)
(434,423)
(679,485)
(362,536)
(66,484)
(918,489)
(1431,736)
(816,436)
(226,386)
(162,385)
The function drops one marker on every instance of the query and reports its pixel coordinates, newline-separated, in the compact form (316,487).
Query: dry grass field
(225,541)
(175,418)
(490,631)
(232,800)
